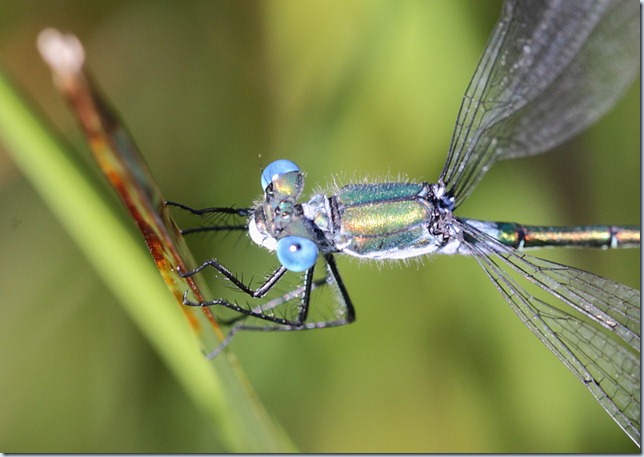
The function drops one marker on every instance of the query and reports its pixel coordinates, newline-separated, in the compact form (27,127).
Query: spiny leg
(258,312)
(272,279)
(332,275)
(236,212)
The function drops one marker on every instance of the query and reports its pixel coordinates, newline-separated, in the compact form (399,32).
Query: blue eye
(277,169)
(297,253)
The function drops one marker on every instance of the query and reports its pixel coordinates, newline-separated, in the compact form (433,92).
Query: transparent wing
(592,324)
(549,70)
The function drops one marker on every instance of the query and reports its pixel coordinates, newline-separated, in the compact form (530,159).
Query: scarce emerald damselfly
(549,70)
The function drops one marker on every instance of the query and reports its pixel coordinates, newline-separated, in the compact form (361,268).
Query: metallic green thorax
(384,218)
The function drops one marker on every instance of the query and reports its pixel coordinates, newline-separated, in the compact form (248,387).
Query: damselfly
(549,70)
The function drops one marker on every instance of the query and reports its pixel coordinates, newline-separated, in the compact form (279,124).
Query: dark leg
(243,212)
(217,227)
(300,323)
(260,311)
(257,293)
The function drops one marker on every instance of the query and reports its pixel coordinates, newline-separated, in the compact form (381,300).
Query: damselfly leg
(265,308)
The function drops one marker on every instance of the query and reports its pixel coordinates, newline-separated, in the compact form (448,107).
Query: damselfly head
(278,223)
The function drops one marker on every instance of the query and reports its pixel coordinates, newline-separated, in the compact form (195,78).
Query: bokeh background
(437,361)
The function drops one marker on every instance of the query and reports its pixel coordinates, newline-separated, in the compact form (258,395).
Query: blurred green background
(437,361)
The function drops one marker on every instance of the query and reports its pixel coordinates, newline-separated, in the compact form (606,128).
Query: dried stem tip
(63,53)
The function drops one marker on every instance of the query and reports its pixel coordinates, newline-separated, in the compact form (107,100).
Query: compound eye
(276,169)
(297,253)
